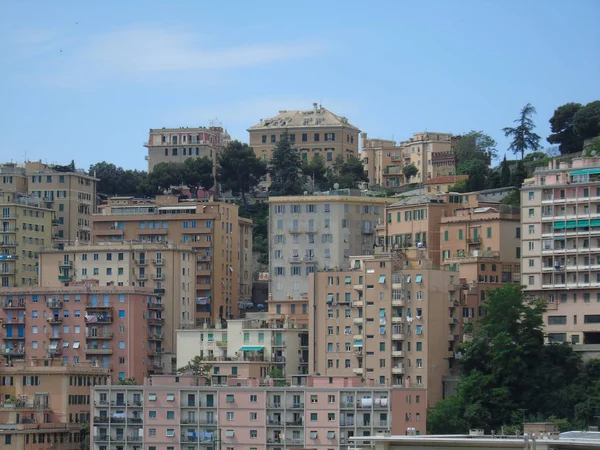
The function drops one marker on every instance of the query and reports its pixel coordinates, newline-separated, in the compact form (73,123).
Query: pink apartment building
(184,413)
(117,328)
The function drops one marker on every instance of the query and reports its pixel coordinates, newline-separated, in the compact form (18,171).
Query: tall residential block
(178,144)
(170,271)
(316,131)
(45,403)
(118,328)
(26,228)
(71,194)
(246,414)
(430,152)
(560,215)
(221,238)
(389,319)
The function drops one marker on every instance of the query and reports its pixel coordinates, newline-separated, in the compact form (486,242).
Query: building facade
(313,132)
(247,414)
(26,228)
(117,328)
(382,161)
(177,144)
(70,194)
(222,241)
(318,232)
(389,320)
(45,404)
(560,215)
(168,270)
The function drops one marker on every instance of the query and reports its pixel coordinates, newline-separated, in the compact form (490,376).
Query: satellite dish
(336,186)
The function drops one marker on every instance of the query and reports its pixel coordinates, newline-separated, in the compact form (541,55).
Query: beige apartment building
(71,195)
(430,152)
(178,144)
(318,232)
(316,131)
(389,319)
(253,347)
(26,228)
(560,216)
(46,404)
(169,270)
(222,241)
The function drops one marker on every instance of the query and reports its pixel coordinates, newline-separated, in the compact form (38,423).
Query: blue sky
(86,80)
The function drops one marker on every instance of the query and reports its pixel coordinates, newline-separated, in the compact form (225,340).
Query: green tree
(477,170)
(197,366)
(164,175)
(338,164)
(130,381)
(504,173)
(197,173)
(512,199)
(593,148)
(351,172)
(239,169)
(285,169)
(519,174)
(448,417)
(475,145)
(523,137)
(586,122)
(316,171)
(409,172)
(118,181)
(259,213)
(563,132)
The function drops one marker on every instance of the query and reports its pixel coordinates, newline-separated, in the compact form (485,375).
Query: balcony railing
(13,304)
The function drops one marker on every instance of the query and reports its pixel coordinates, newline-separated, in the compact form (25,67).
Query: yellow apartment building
(168,269)
(45,403)
(389,319)
(26,228)
(71,195)
(313,132)
(222,241)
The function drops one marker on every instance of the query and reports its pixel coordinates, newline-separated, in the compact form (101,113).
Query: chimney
(315,107)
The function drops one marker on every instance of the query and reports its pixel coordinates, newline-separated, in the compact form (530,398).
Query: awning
(595,222)
(586,172)
(419,278)
(381,279)
(559,225)
(252,348)
(583,223)
(571,224)
(358,343)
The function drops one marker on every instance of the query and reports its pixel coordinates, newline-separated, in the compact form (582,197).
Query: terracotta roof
(311,118)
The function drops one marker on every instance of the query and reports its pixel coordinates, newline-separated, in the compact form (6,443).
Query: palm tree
(523,137)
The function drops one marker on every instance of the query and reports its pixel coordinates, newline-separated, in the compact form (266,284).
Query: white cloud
(146,51)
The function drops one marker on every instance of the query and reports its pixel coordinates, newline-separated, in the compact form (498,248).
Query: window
(230,415)
(170,415)
(170,432)
(170,397)
(121,344)
(314,417)
(253,416)
(419,346)
(314,398)
(331,399)
(253,398)
(531,212)
(230,398)
(253,434)
(152,433)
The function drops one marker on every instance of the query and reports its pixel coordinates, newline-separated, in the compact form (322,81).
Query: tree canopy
(563,132)
(505,368)
(586,121)
(523,137)
(348,174)
(197,366)
(198,173)
(410,171)
(239,169)
(285,169)
(316,171)
(474,152)
(118,181)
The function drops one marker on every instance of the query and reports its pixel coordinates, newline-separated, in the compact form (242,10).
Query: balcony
(155,321)
(110,232)
(158,337)
(99,318)
(15,336)
(65,264)
(311,231)
(294,231)
(158,276)
(140,262)
(358,370)
(155,351)
(309,260)
(358,320)
(13,304)
(100,335)
(474,240)
(158,262)
(358,353)
(397,354)
(398,369)
(295,260)
(7,271)
(96,306)
(357,303)
(8,230)
(357,337)
(398,302)
(141,276)
(397,319)
(13,351)
(358,287)
(65,278)
(95,350)
(54,303)
(8,243)
(156,306)
(397,336)
(19,320)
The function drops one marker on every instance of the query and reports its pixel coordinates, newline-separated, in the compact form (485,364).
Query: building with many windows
(178,144)
(221,238)
(389,319)
(119,328)
(313,132)
(70,193)
(45,403)
(560,217)
(168,270)
(245,414)
(26,228)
